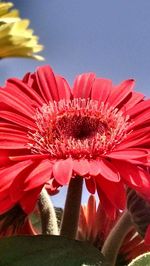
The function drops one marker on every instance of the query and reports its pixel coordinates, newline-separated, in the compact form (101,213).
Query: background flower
(16,39)
(95,225)
(50,133)
(16,222)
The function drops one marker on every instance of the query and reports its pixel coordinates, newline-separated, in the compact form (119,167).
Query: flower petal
(94,167)
(16,84)
(64,92)
(128,154)
(81,167)
(62,171)
(18,119)
(101,89)
(9,174)
(29,199)
(83,85)
(120,92)
(39,175)
(115,192)
(16,103)
(90,184)
(109,171)
(47,83)
(107,205)
(134,176)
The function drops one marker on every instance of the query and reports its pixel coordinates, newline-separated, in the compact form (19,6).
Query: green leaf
(48,251)
(142,260)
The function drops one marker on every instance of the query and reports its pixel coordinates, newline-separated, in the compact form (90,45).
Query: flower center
(78,128)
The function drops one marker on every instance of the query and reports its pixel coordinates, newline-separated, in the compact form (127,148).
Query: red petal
(81,167)
(34,97)
(94,167)
(28,157)
(139,108)
(9,140)
(90,184)
(16,102)
(136,138)
(128,154)
(47,83)
(120,92)
(29,199)
(39,176)
(106,204)
(62,171)
(101,89)
(18,119)
(135,99)
(83,85)
(18,185)
(134,176)
(91,214)
(115,192)
(52,186)
(64,89)
(108,171)
(7,175)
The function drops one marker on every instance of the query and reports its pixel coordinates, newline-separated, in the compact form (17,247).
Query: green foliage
(48,250)
(142,260)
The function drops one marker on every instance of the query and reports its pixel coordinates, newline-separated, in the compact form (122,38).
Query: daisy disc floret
(78,128)
(51,133)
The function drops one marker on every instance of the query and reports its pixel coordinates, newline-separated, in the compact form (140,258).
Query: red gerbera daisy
(50,133)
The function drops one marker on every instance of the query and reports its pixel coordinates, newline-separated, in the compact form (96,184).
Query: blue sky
(110,38)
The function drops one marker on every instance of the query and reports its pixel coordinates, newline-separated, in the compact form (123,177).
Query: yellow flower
(16,39)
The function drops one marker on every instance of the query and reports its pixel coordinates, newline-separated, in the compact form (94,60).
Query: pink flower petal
(115,192)
(101,89)
(120,92)
(29,199)
(107,205)
(81,167)
(135,99)
(139,108)
(109,171)
(16,103)
(39,175)
(47,83)
(94,167)
(28,157)
(91,213)
(35,98)
(18,185)
(90,184)
(83,85)
(128,154)
(20,120)
(9,174)
(62,171)
(134,176)
(64,92)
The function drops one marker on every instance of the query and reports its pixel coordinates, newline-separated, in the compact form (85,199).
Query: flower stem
(72,208)
(48,215)
(115,238)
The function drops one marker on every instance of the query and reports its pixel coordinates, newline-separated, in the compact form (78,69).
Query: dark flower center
(80,127)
